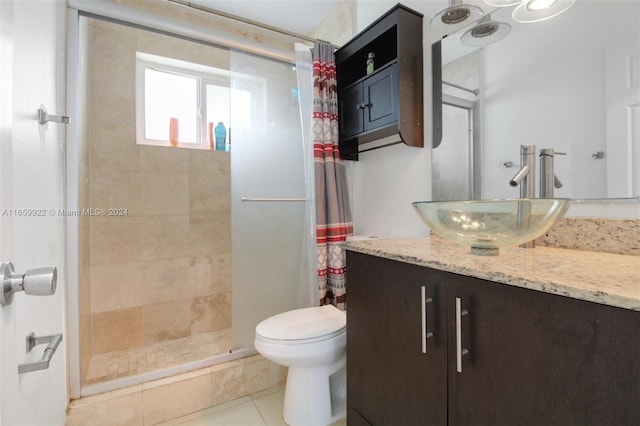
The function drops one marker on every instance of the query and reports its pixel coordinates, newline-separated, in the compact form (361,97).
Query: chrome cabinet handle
(460,352)
(53,341)
(424,301)
(36,282)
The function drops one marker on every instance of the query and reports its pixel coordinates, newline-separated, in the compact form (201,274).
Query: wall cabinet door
(351,117)
(391,381)
(536,358)
(381,96)
(370,104)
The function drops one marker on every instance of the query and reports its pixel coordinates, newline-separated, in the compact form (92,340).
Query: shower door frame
(105,10)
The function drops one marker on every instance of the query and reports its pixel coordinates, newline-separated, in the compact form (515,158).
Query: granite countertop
(610,279)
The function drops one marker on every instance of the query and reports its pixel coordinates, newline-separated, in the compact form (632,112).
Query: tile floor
(113,365)
(259,409)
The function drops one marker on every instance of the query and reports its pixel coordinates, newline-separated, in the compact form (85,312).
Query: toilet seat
(303,326)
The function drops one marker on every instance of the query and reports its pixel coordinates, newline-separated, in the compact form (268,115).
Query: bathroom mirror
(571,83)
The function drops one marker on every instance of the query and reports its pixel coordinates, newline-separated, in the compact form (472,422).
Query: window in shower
(179,103)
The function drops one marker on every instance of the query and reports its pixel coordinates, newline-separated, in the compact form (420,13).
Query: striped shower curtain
(333,215)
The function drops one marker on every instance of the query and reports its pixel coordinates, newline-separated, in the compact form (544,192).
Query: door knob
(36,282)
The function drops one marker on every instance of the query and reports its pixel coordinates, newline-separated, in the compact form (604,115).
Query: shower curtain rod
(245,20)
(117,12)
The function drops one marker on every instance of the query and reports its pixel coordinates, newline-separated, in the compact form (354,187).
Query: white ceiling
(298,16)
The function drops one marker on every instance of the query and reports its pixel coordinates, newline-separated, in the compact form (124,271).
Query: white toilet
(312,343)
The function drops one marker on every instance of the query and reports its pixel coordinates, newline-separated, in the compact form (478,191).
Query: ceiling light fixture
(502,3)
(539,10)
(486,32)
(455,17)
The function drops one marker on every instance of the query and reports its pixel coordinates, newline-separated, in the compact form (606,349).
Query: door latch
(36,282)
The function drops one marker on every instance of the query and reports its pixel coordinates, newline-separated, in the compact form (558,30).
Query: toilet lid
(300,324)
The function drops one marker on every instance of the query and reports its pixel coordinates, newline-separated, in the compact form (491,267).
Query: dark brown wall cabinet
(387,103)
(427,347)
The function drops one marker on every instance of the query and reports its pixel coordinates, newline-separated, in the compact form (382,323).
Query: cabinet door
(390,381)
(540,359)
(351,115)
(381,96)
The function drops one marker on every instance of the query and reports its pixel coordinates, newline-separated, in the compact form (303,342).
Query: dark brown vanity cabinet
(390,378)
(527,357)
(387,102)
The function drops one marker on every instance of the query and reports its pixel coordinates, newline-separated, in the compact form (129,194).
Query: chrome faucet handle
(550,152)
(556,182)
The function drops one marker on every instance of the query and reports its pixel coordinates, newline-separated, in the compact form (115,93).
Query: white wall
(518,75)
(32,57)
(389,179)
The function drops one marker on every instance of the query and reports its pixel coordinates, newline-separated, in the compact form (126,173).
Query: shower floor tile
(143,359)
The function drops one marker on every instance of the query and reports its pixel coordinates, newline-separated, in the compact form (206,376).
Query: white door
(623,119)
(32,233)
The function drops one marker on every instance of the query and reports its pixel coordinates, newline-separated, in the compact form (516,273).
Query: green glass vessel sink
(487,225)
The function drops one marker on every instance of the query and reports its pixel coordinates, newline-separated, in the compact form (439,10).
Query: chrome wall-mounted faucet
(526,175)
(548,180)
(526,179)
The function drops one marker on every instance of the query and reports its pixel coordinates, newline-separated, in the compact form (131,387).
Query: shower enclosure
(182,250)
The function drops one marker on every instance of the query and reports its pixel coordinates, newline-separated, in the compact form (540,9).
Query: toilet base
(305,408)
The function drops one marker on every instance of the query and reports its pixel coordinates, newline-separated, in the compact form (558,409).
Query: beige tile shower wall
(339,27)
(163,270)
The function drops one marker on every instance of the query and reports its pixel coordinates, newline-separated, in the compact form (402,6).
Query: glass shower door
(267,191)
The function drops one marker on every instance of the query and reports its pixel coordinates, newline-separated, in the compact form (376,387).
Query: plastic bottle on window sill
(212,141)
(370,64)
(221,137)
(174,133)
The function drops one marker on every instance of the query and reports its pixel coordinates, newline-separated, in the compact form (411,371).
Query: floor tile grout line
(259,412)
